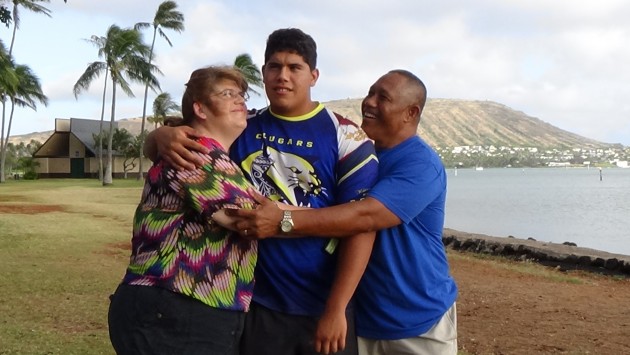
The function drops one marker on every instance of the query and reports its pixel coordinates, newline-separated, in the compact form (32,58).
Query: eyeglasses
(229,94)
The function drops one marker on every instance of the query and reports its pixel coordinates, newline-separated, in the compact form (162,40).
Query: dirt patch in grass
(72,327)
(121,246)
(120,249)
(30,209)
(11,198)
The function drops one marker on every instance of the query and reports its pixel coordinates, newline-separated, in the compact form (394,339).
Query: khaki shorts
(440,339)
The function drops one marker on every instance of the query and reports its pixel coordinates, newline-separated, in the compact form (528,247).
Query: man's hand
(260,223)
(330,336)
(175,146)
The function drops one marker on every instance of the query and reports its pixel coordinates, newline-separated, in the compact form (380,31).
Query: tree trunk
(144,111)
(14,29)
(4,145)
(107,178)
(100,131)
(2,138)
(6,141)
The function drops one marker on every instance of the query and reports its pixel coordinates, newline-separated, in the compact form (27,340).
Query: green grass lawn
(63,250)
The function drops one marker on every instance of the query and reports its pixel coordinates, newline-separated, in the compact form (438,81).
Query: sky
(563,61)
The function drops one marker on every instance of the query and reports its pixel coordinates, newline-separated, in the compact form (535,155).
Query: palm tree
(31,5)
(166,17)
(244,63)
(26,94)
(163,105)
(125,59)
(94,70)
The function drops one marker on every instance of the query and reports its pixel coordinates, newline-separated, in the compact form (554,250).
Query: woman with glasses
(189,281)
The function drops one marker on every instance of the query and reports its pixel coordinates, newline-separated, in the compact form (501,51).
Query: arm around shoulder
(174,144)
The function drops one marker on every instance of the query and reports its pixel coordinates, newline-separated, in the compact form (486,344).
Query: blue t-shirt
(407,287)
(315,160)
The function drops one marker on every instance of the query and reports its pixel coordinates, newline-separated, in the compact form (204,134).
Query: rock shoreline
(562,256)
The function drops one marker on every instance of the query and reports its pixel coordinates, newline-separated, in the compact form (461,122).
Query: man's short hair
(421,88)
(292,40)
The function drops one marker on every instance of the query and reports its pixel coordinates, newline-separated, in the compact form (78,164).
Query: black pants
(269,332)
(152,320)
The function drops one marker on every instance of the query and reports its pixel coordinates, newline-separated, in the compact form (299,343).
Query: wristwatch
(286,225)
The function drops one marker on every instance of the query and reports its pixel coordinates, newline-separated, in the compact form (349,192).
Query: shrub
(30,175)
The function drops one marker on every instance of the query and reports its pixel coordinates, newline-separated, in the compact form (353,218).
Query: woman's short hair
(202,83)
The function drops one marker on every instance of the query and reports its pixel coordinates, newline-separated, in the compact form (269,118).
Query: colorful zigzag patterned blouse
(175,244)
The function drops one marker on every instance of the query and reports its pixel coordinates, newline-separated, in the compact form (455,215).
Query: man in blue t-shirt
(406,298)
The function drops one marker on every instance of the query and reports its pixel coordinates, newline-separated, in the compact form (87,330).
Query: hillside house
(71,151)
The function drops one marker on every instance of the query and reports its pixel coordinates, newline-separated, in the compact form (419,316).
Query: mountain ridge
(455,122)
(445,123)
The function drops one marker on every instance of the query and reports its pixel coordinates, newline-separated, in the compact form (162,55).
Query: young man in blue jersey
(406,299)
(298,153)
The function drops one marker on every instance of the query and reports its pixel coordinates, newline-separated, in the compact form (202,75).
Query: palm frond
(253,76)
(163,105)
(163,35)
(93,71)
(8,77)
(142,25)
(168,17)
(30,5)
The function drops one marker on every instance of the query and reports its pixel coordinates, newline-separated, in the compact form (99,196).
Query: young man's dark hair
(292,40)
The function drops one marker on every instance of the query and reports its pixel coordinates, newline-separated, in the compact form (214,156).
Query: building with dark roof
(72,152)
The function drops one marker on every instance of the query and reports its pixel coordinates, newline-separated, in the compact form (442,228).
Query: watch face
(286,226)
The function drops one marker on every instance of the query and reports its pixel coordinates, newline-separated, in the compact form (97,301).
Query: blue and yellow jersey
(315,160)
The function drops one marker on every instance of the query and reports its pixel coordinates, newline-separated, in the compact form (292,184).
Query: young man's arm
(174,144)
(332,328)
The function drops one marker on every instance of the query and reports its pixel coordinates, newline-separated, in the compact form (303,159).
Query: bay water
(586,206)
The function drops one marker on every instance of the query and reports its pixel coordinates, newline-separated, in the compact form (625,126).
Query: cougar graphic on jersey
(283,176)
